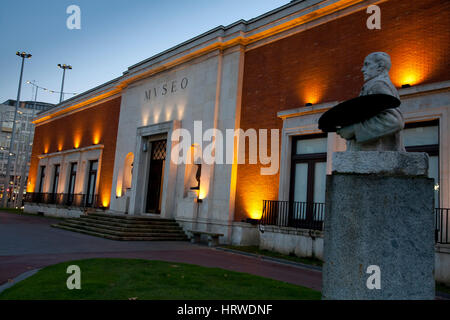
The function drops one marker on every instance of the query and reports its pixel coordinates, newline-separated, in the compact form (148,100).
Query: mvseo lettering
(166,89)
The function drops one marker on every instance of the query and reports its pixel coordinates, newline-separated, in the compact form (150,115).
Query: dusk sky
(114,35)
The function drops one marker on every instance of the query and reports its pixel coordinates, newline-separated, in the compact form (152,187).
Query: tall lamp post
(19,197)
(24,56)
(28,145)
(64,67)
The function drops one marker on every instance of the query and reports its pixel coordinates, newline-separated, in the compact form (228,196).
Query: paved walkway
(28,242)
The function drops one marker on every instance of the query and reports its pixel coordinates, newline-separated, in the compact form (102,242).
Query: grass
(114,279)
(442,287)
(291,257)
(21,212)
(12,210)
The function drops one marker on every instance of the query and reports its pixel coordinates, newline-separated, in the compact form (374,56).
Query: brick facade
(95,125)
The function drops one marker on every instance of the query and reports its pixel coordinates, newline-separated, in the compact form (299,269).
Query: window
(41,179)
(72,179)
(424,137)
(308,177)
(55,179)
(92,179)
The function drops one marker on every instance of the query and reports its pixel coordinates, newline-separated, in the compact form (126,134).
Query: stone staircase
(125,228)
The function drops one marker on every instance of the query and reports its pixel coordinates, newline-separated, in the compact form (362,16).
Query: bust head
(375,64)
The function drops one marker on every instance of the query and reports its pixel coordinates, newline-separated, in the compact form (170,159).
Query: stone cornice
(65,152)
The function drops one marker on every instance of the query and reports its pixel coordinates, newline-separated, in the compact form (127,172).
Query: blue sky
(114,35)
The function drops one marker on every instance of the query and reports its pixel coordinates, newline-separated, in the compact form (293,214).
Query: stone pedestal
(379,212)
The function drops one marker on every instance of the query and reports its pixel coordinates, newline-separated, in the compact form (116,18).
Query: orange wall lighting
(97,135)
(77,141)
(105,200)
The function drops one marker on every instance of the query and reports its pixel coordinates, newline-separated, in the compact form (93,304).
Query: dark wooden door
(155,177)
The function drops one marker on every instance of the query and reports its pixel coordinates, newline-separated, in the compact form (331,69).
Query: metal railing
(311,215)
(64,199)
(302,215)
(442,226)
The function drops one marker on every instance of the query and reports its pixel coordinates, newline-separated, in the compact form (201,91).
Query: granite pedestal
(379,212)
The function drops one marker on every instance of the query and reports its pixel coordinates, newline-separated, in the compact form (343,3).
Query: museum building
(110,148)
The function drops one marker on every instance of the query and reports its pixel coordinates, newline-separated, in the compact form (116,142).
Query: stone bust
(383,131)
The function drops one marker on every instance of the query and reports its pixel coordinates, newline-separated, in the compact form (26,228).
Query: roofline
(241,22)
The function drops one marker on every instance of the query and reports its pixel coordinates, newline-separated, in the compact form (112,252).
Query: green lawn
(22,213)
(442,287)
(113,279)
(12,210)
(292,257)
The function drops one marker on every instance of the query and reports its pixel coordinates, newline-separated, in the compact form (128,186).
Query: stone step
(131,221)
(134,226)
(119,238)
(126,230)
(130,217)
(124,233)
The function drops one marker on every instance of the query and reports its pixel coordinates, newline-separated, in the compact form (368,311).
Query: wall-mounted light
(145,146)
(407,85)
(309,104)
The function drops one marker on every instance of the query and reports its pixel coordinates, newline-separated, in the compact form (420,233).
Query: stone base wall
(442,263)
(53,210)
(235,233)
(301,242)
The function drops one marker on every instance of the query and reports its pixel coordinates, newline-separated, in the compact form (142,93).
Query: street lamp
(24,56)
(64,67)
(27,151)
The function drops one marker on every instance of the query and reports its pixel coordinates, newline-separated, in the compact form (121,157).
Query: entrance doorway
(156,176)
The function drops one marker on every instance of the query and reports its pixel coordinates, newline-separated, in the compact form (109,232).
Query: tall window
(92,179)
(41,180)
(72,179)
(308,177)
(424,137)
(55,184)
(55,179)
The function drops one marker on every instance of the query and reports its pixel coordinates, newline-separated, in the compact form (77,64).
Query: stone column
(379,225)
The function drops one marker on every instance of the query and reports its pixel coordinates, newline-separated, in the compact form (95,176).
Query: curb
(267,258)
(17,279)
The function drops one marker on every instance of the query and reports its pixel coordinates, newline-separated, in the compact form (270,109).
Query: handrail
(293,214)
